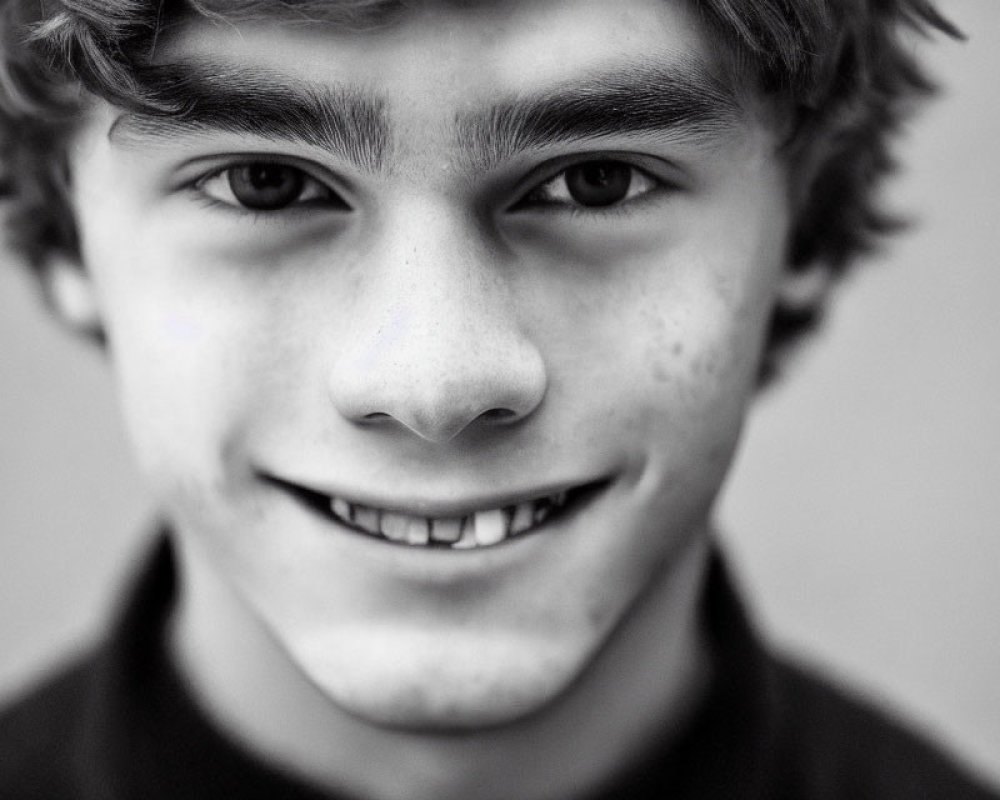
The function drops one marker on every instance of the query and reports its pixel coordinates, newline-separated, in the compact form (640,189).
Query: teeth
(523,518)
(468,538)
(490,527)
(447,531)
(480,529)
(394,526)
(366,518)
(341,508)
(418,531)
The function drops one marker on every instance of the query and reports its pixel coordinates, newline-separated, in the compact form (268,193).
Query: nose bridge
(437,343)
(433,296)
(442,276)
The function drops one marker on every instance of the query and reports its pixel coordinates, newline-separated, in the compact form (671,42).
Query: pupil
(599,183)
(266,187)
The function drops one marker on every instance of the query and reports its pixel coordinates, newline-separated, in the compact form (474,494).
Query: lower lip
(319,504)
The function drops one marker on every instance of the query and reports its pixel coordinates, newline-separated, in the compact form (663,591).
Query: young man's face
(502,252)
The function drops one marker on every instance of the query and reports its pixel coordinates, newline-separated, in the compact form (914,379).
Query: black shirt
(119,724)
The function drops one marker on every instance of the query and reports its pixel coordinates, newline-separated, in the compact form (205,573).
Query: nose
(436,345)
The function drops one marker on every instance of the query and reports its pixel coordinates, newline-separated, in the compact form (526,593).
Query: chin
(429,686)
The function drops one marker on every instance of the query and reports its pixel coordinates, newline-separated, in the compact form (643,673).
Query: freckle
(678,348)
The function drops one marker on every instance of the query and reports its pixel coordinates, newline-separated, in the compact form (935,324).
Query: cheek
(702,337)
(707,351)
(708,320)
(182,359)
(704,340)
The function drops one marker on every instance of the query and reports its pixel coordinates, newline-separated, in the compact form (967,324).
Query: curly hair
(839,68)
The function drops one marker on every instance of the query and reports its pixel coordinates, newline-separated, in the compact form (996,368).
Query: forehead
(513,40)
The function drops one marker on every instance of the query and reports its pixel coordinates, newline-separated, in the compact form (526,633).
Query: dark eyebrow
(191,98)
(684,101)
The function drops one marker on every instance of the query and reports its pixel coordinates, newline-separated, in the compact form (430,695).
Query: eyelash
(558,183)
(556,186)
(323,194)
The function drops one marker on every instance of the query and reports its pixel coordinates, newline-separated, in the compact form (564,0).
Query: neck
(638,691)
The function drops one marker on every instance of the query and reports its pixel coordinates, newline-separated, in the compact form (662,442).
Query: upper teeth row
(479,529)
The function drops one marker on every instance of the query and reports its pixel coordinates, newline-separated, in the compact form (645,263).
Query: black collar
(142,735)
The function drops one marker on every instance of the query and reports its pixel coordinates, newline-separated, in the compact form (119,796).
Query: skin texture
(442,335)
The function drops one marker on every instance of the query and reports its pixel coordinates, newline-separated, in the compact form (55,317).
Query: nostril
(436,395)
(498,414)
(439,428)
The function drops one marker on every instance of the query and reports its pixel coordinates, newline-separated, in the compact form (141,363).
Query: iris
(599,183)
(266,187)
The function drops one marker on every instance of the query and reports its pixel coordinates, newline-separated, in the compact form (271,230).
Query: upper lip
(425,506)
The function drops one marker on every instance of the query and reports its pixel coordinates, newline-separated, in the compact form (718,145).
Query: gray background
(864,511)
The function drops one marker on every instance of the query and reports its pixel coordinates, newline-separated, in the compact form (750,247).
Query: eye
(593,184)
(267,186)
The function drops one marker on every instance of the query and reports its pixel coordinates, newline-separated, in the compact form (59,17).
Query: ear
(804,288)
(70,290)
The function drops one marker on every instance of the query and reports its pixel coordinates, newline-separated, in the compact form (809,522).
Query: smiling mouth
(475,530)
